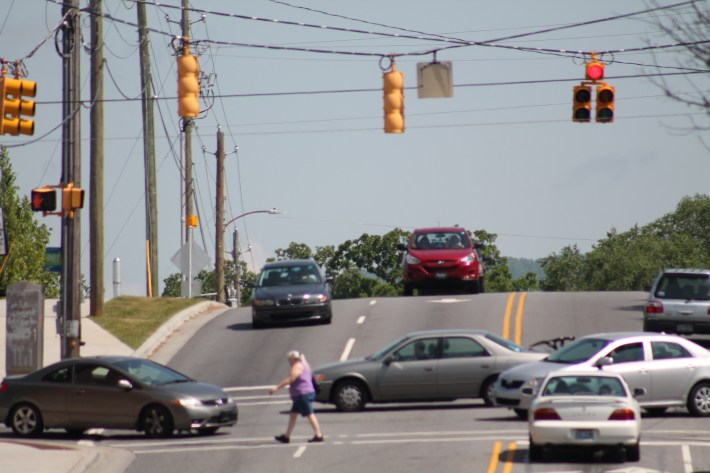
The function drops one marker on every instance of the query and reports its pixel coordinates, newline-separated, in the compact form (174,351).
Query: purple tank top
(303,384)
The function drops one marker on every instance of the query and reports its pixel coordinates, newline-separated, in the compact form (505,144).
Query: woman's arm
(295,372)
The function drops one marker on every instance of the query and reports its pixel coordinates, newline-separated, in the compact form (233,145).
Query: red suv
(442,258)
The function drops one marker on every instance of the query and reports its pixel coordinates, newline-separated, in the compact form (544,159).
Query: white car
(583,409)
(674,371)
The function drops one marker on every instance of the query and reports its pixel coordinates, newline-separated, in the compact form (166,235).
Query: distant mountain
(522,266)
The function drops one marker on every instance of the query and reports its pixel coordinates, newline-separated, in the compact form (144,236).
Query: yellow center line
(493,464)
(506,315)
(509,457)
(519,318)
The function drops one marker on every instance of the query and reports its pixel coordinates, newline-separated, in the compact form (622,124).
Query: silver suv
(679,302)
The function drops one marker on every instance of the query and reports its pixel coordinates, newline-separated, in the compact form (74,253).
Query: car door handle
(428,369)
(485,366)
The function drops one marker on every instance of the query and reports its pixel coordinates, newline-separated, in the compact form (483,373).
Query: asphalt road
(462,436)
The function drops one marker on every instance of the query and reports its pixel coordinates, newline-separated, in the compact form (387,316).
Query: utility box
(435,79)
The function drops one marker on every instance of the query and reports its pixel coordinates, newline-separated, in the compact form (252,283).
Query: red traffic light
(595,70)
(43,199)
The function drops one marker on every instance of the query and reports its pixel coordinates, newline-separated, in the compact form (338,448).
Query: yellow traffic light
(72,199)
(394,101)
(605,103)
(188,85)
(13,106)
(582,103)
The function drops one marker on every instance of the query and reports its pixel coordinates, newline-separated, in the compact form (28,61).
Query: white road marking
(373,302)
(687,459)
(299,452)
(449,301)
(361,320)
(348,348)
(249,388)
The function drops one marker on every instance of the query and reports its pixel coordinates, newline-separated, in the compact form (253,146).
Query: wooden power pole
(219,232)
(187,124)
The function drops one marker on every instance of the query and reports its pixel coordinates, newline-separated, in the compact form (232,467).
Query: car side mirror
(602,362)
(330,280)
(527,391)
(401,247)
(124,384)
(388,360)
(478,245)
(249,285)
(639,392)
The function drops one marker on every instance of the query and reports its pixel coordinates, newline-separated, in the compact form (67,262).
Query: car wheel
(522,413)
(207,431)
(699,399)
(649,327)
(26,421)
(535,452)
(74,432)
(487,391)
(481,285)
(656,411)
(256,324)
(473,287)
(157,422)
(408,290)
(633,453)
(350,396)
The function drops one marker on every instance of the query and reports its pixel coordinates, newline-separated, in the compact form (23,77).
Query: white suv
(679,302)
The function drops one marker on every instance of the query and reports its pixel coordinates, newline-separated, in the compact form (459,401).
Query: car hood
(283,291)
(536,369)
(195,389)
(443,254)
(342,366)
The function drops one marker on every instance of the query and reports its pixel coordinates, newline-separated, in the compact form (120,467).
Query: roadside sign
(53,259)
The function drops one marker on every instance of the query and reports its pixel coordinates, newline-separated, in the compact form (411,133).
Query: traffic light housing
(605,103)
(188,85)
(582,103)
(72,199)
(43,199)
(394,101)
(594,70)
(13,106)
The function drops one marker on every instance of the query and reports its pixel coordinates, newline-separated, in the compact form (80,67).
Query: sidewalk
(20,456)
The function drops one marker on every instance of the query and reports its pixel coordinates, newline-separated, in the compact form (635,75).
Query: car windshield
(378,355)
(149,372)
(441,240)
(578,351)
(584,385)
(289,275)
(684,286)
(505,343)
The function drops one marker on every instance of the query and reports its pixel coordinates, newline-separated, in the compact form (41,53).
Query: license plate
(440,275)
(685,328)
(584,434)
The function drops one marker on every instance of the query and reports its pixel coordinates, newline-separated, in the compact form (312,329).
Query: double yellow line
(508,465)
(518,316)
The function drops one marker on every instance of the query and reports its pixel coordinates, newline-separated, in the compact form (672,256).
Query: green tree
(375,254)
(26,239)
(498,275)
(527,282)
(294,251)
(563,271)
(351,283)
(172,285)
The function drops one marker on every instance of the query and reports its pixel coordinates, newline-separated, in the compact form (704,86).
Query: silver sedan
(112,392)
(582,409)
(437,365)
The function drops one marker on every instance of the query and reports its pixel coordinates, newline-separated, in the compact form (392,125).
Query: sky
(304,128)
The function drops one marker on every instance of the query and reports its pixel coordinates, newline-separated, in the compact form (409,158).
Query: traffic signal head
(582,103)
(72,199)
(595,70)
(605,103)
(188,86)
(43,199)
(394,101)
(13,106)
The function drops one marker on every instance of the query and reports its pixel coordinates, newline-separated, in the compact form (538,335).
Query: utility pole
(151,205)
(219,233)
(71,173)
(187,124)
(235,258)
(96,177)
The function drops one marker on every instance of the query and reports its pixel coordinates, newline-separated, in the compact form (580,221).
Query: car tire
(350,396)
(207,431)
(481,285)
(649,327)
(699,399)
(256,324)
(26,420)
(157,422)
(535,452)
(474,287)
(74,431)
(633,453)
(408,290)
(655,411)
(487,391)
(522,413)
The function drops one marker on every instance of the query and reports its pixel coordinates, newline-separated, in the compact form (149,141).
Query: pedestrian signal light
(582,103)
(188,85)
(394,101)
(605,103)
(595,70)
(72,199)
(43,199)
(13,106)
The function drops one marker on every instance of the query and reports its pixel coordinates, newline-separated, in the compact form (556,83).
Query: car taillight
(656,307)
(546,413)
(622,414)
(3,387)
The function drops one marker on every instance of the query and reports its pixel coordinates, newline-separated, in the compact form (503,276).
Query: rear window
(441,240)
(578,351)
(683,286)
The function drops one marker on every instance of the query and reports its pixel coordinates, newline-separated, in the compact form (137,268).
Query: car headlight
(533,384)
(190,402)
(409,259)
(469,258)
(263,302)
(314,298)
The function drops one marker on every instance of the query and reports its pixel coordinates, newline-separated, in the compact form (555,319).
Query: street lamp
(221,287)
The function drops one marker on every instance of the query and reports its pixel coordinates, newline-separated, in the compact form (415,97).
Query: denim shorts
(303,404)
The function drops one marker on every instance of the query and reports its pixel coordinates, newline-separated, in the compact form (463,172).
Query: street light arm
(270,211)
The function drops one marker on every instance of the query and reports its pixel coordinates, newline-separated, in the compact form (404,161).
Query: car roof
(289,262)
(444,332)
(686,271)
(613,336)
(585,373)
(439,229)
